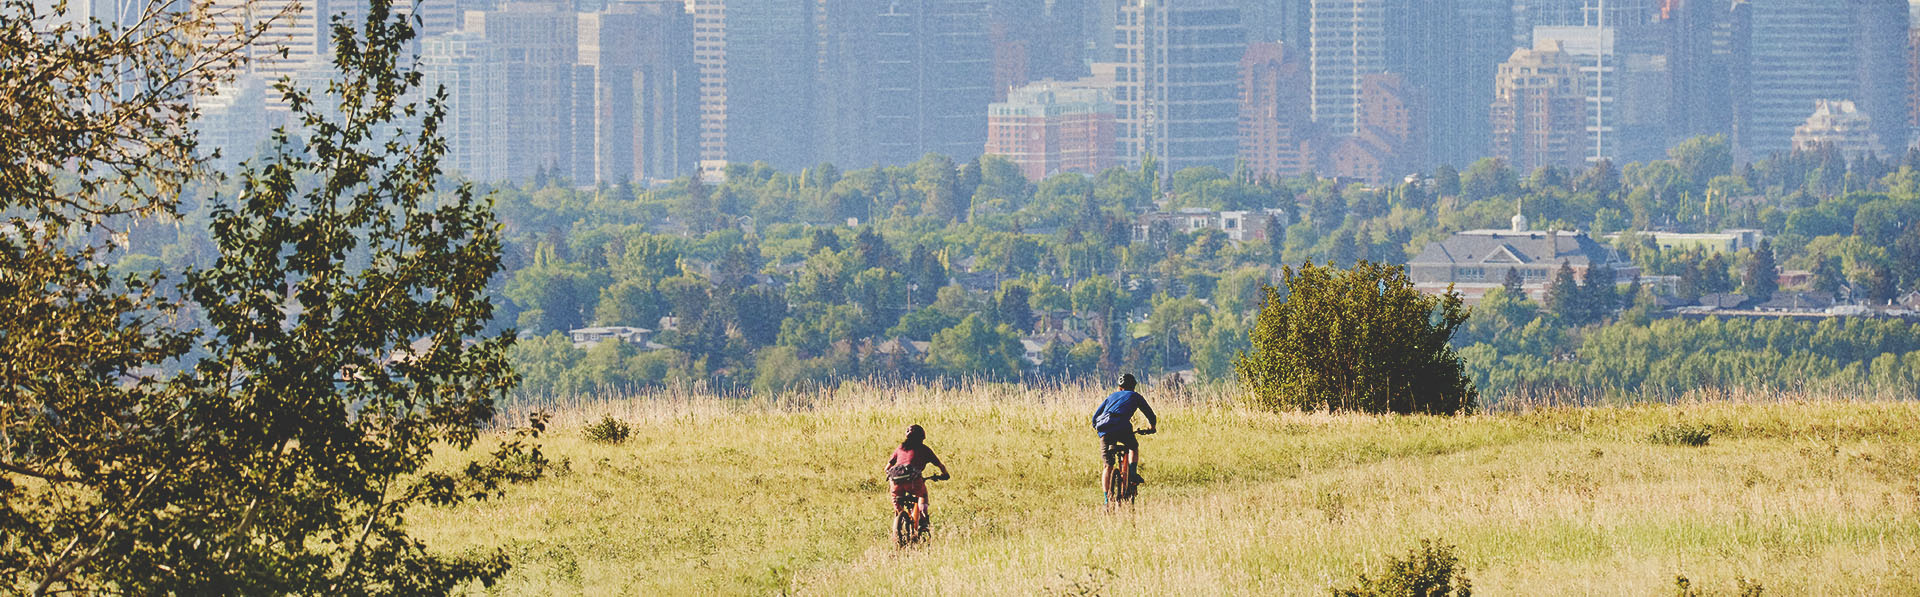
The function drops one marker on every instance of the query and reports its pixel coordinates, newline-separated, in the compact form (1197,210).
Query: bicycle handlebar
(1148,431)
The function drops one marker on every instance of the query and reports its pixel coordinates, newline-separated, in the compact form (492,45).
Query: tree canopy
(1356,339)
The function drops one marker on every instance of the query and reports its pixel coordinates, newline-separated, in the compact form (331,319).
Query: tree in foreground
(337,358)
(1358,339)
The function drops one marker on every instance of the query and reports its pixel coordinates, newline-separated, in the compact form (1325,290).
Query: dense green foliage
(760,282)
(1431,570)
(336,347)
(1516,350)
(1360,339)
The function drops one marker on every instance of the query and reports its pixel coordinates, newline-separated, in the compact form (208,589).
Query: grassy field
(728,497)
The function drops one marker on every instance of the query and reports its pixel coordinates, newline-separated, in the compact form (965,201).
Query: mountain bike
(1118,483)
(910,516)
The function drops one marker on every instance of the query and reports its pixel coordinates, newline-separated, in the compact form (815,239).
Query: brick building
(1277,135)
(1539,110)
(1050,127)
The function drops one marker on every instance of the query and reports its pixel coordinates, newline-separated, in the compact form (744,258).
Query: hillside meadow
(770,496)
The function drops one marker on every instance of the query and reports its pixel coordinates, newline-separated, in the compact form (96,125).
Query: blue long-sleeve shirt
(1120,406)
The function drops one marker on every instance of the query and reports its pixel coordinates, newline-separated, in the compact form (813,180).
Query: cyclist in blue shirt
(1114,421)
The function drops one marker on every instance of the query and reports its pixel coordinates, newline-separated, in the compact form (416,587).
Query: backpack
(1107,423)
(901,473)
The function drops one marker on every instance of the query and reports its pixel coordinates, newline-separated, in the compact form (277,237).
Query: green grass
(722,497)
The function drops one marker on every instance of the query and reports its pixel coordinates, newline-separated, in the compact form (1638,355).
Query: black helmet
(1127,381)
(915,434)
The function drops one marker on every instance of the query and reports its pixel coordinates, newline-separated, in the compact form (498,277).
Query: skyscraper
(757,60)
(903,79)
(294,38)
(1808,50)
(1538,112)
(637,109)
(1178,83)
(1448,52)
(461,64)
(1277,134)
(533,47)
(1285,21)
(1049,127)
(1596,52)
(1839,125)
(1393,125)
(1700,76)
(1880,48)
(1349,40)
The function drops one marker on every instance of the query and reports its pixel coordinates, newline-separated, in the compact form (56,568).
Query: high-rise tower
(637,116)
(1538,112)
(1177,88)
(532,46)
(757,60)
(1349,39)
(1808,50)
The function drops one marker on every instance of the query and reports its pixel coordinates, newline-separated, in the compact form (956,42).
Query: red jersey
(915,458)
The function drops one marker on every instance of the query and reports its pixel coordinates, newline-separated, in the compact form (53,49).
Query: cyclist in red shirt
(904,468)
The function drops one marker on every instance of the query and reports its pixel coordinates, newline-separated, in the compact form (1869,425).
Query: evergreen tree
(1276,238)
(1827,276)
(1600,297)
(1011,307)
(1563,298)
(1906,257)
(1345,249)
(1514,284)
(873,250)
(1761,278)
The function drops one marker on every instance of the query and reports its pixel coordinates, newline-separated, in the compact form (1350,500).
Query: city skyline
(652,90)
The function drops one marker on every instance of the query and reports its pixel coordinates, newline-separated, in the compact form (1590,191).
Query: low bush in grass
(607,430)
(1742,587)
(1682,434)
(1431,570)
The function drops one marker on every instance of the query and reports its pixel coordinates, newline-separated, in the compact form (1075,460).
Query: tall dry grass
(757,495)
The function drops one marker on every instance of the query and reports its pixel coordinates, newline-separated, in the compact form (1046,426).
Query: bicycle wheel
(1123,481)
(1110,483)
(903,527)
(1133,489)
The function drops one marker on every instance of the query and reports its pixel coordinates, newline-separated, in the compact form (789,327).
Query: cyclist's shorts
(1112,442)
(916,488)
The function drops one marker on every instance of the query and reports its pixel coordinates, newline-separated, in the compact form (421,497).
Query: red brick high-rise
(1392,128)
(1539,110)
(1277,135)
(1049,127)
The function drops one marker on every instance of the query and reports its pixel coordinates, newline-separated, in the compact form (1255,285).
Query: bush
(607,431)
(1742,587)
(1360,339)
(1428,571)
(1682,434)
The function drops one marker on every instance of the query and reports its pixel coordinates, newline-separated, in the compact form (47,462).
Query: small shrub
(1682,434)
(1428,571)
(607,431)
(1094,582)
(1742,587)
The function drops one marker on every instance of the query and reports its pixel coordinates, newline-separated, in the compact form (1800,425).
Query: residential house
(1476,261)
(593,336)
(1240,226)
